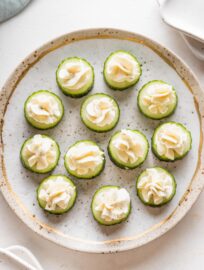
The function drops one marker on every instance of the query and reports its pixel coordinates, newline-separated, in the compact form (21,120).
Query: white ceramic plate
(77,229)
(195,46)
(180,15)
(185,16)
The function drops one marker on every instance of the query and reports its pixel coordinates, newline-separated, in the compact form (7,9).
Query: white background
(42,20)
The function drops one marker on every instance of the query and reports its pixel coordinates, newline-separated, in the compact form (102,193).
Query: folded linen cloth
(9,8)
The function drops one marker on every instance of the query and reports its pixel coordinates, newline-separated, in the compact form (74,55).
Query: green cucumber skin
(163,203)
(77,95)
(96,130)
(120,88)
(87,177)
(64,91)
(164,158)
(44,128)
(125,167)
(55,212)
(33,170)
(156,118)
(112,223)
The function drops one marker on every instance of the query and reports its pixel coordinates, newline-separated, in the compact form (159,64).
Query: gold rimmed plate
(77,229)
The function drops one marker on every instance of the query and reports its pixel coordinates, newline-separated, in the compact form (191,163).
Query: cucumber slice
(84,160)
(40,154)
(155,186)
(128,148)
(157,99)
(75,77)
(43,109)
(108,207)
(100,112)
(56,194)
(171,141)
(121,70)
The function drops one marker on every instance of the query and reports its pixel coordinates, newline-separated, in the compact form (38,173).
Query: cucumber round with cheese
(171,141)
(111,205)
(43,109)
(75,77)
(121,70)
(56,194)
(40,154)
(84,159)
(128,148)
(157,99)
(155,186)
(100,112)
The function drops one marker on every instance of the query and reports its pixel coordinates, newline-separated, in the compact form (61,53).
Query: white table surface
(42,20)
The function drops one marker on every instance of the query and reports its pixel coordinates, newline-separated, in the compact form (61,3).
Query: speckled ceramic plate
(77,229)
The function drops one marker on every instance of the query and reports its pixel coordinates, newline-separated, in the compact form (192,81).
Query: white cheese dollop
(56,193)
(122,68)
(40,152)
(43,108)
(101,111)
(158,97)
(170,140)
(74,75)
(155,186)
(112,204)
(128,146)
(84,158)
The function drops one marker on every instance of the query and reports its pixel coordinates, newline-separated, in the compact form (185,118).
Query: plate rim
(191,193)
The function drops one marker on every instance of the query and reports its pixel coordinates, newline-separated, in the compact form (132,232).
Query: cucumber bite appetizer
(43,109)
(128,148)
(157,99)
(56,194)
(75,77)
(40,154)
(84,159)
(100,112)
(111,205)
(121,70)
(155,186)
(171,141)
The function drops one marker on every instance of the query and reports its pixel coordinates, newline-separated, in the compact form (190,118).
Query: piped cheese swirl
(155,186)
(40,152)
(74,75)
(112,204)
(56,193)
(101,111)
(158,97)
(122,68)
(84,158)
(171,140)
(129,146)
(43,108)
